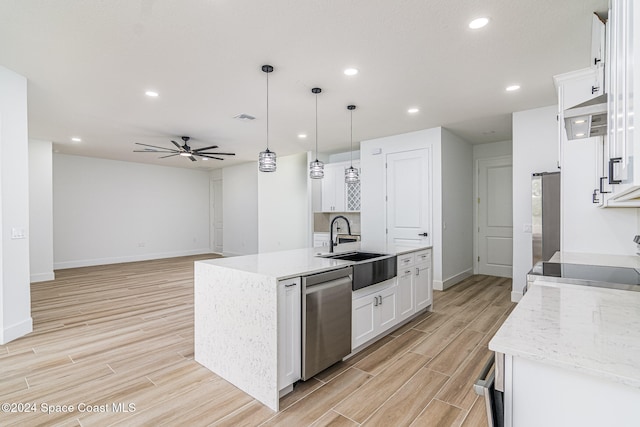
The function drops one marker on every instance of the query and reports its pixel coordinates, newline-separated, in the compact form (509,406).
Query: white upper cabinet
(337,196)
(598,52)
(624,78)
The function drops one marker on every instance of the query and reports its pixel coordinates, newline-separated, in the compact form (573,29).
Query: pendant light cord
(316,127)
(351,153)
(267,111)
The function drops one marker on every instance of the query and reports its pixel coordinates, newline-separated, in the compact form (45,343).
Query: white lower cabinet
(423,282)
(289,330)
(373,312)
(406,293)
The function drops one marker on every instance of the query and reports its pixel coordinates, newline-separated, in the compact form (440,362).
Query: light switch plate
(17,233)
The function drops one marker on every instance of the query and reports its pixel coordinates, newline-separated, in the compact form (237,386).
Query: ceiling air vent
(243,116)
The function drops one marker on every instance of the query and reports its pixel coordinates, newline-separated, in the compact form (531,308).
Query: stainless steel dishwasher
(326,319)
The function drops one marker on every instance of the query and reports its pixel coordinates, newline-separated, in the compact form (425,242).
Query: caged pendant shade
(267,158)
(351,175)
(316,168)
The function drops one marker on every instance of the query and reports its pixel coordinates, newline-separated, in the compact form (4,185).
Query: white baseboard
(130,258)
(16,330)
(42,277)
(516,296)
(446,284)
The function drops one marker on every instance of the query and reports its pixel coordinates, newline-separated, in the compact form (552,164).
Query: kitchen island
(245,308)
(571,357)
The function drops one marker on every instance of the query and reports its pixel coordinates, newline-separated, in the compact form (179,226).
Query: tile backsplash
(321,221)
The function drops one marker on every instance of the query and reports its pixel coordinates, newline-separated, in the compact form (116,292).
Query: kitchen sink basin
(369,268)
(355,256)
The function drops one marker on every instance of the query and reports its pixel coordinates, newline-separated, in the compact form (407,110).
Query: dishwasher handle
(326,285)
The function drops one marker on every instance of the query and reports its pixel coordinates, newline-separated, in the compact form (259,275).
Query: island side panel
(236,322)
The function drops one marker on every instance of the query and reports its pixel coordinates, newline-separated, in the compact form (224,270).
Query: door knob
(423,234)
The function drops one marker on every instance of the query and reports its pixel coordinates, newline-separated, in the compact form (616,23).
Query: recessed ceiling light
(412,110)
(151,93)
(579,121)
(302,135)
(478,23)
(351,71)
(512,88)
(579,134)
(206,159)
(76,139)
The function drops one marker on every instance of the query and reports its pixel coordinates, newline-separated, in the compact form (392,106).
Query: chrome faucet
(331,230)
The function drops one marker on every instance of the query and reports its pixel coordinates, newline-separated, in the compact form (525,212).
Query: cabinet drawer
(406,260)
(423,256)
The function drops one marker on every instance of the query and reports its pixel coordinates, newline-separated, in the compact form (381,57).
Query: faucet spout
(331,230)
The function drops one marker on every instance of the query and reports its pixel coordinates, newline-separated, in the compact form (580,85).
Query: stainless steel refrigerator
(545,208)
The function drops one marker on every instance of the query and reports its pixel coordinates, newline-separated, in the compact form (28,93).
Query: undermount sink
(355,256)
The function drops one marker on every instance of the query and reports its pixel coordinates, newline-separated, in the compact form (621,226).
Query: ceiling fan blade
(170,155)
(177,145)
(208,157)
(221,154)
(154,146)
(148,150)
(205,148)
(193,159)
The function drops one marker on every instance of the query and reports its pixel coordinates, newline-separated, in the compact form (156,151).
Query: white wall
(585,226)
(240,209)
(535,149)
(40,210)
(457,209)
(283,206)
(491,149)
(107,211)
(15,300)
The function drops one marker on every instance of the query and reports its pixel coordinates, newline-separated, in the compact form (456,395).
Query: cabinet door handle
(612,161)
(417,271)
(407,272)
(594,89)
(423,234)
(375,304)
(380,296)
(602,178)
(290,285)
(594,197)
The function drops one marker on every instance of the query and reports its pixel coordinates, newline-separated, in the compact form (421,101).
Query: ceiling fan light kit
(351,175)
(184,150)
(316,168)
(267,158)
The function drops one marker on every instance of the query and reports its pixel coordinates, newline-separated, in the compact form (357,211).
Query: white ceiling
(89,63)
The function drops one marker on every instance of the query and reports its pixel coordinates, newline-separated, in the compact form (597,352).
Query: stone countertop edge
(590,330)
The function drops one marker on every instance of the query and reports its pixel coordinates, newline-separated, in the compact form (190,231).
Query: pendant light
(316,168)
(267,158)
(351,173)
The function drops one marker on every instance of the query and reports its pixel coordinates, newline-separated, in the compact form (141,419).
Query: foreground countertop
(590,330)
(297,262)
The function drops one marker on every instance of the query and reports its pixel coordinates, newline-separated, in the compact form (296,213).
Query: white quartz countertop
(630,261)
(587,329)
(297,262)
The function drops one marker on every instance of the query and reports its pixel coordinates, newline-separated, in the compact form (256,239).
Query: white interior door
(495,217)
(216,215)
(408,198)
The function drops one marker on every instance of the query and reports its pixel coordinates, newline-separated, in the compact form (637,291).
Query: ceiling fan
(184,150)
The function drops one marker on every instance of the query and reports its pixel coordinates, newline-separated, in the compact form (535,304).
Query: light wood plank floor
(123,335)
